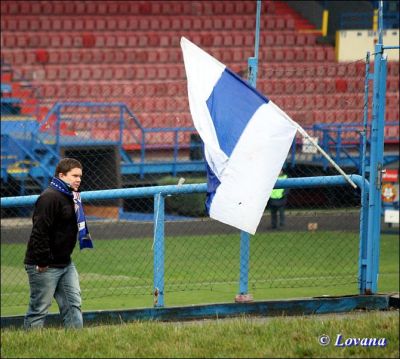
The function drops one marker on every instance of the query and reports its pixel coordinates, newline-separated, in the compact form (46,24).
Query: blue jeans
(60,283)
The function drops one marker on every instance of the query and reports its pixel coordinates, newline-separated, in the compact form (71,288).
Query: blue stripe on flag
(212,184)
(232,103)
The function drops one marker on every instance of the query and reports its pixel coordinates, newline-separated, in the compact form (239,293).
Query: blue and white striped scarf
(85,240)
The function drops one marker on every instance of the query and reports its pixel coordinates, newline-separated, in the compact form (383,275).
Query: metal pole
(362,258)
(244,262)
(158,250)
(380,23)
(253,61)
(243,295)
(381,147)
(376,164)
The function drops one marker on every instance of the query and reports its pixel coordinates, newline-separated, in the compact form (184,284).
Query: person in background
(58,220)
(277,203)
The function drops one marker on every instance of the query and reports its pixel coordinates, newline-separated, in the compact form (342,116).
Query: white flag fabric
(246,139)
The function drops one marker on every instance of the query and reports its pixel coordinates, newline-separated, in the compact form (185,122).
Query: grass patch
(235,338)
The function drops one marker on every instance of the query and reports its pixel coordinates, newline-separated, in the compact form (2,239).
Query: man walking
(58,219)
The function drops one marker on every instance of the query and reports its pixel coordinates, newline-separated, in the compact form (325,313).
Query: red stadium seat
(300,86)
(270,23)
(393,68)
(51,74)
(290,39)
(300,54)
(13,8)
(319,54)
(341,85)
(267,39)
(25,7)
(392,84)
(329,54)
(319,101)
(279,39)
(88,40)
(330,102)
(280,23)
(301,39)
(290,24)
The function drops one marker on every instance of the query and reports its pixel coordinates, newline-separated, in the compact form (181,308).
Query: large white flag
(246,139)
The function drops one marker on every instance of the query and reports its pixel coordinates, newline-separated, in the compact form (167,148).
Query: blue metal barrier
(159,193)
(333,138)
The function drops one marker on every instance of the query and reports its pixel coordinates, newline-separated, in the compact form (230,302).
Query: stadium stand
(128,51)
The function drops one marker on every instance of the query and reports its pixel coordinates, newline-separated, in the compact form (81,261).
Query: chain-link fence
(315,248)
(104,82)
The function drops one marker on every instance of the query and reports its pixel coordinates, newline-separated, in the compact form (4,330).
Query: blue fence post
(380,145)
(376,164)
(244,236)
(158,250)
(362,258)
(244,262)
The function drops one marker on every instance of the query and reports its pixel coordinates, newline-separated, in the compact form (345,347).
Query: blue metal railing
(345,142)
(333,139)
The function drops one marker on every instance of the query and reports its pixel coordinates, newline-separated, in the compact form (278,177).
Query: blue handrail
(140,192)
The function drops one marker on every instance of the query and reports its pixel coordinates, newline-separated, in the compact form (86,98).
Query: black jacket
(54,231)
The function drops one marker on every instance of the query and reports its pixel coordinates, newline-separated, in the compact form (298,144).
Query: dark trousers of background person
(277,206)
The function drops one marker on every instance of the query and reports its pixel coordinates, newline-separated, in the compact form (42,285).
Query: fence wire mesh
(108,87)
(318,247)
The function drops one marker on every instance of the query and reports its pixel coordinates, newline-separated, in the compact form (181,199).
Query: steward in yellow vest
(278,193)
(277,203)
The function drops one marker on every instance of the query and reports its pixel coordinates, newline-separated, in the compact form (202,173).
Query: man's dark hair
(66,165)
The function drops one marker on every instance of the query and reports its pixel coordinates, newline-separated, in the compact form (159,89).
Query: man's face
(73,178)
